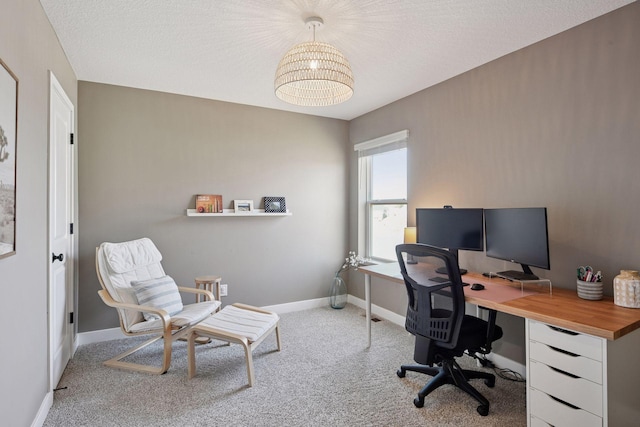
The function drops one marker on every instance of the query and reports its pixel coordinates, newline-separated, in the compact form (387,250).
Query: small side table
(207,284)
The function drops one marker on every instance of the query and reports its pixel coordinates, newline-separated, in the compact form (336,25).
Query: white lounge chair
(132,269)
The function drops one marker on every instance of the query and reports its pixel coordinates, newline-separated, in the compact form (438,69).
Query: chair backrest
(117,264)
(432,272)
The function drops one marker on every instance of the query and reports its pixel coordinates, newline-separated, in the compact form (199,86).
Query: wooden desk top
(562,307)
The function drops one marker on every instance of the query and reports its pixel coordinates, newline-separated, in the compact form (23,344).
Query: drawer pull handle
(564,331)
(563,402)
(564,372)
(559,350)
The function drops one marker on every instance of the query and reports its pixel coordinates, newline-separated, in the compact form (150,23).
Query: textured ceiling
(228,50)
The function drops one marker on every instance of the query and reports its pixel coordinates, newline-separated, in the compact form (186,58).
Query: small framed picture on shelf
(242,206)
(274,204)
(209,203)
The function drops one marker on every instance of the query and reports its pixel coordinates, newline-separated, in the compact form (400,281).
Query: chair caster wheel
(483,410)
(401,373)
(420,402)
(490,383)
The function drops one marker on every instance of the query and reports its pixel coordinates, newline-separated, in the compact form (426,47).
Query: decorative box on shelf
(232,212)
(208,203)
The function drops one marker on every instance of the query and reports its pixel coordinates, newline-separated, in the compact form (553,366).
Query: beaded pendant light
(314,74)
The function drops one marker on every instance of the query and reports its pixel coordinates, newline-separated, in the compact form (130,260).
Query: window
(382,195)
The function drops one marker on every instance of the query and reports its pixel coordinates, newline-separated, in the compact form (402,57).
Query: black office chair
(436,316)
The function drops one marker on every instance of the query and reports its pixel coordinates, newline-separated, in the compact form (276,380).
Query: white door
(61,256)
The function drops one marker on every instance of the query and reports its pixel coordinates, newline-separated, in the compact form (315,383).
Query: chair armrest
(106,298)
(208,295)
(250,307)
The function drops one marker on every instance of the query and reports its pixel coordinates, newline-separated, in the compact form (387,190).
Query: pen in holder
(589,284)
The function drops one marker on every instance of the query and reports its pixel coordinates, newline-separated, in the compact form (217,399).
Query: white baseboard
(376,310)
(43,411)
(298,305)
(99,336)
(506,363)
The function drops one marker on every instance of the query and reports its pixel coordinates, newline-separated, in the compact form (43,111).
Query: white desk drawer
(574,342)
(575,364)
(575,391)
(545,410)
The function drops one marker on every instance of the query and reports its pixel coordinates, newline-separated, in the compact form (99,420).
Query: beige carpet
(324,376)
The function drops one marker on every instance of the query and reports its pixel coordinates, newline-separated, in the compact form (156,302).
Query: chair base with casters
(237,323)
(449,372)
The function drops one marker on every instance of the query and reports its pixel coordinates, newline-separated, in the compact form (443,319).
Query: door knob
(57,257)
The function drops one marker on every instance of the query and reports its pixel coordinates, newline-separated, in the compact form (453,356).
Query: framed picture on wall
(242,206)
(8,141)
(274,204)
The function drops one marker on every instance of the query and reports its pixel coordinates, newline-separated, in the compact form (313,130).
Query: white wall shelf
(232,212)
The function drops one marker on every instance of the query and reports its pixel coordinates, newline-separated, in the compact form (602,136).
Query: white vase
(626,289)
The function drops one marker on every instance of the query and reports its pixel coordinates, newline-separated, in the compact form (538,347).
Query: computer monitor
(518,235)
(452,229)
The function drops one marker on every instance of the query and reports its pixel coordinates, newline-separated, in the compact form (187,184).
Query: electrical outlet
(223,290)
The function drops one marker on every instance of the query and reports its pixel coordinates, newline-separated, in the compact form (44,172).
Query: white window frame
(366,150)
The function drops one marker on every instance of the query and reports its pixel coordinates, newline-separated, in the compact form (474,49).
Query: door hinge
(71,317)
(71,228)
(71,138)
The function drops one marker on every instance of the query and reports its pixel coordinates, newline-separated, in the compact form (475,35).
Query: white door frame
(72,267)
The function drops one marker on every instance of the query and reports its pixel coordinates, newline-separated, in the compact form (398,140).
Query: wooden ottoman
(236,323)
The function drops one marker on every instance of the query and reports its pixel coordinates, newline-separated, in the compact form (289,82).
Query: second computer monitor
(518,235)
(451,228)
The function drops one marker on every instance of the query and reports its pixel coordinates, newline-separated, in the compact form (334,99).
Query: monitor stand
(524,275)
(443,270)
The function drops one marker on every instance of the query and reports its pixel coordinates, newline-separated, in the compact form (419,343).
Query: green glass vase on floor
(338,293)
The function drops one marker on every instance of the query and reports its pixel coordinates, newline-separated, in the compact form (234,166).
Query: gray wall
(30,48)
(144,155)
(556,124)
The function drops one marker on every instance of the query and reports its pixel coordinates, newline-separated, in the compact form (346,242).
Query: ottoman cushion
(250,324)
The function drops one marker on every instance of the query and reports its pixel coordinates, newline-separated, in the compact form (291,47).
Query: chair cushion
(127,256)
(190,315)
(247,323)
(161,292)
(121,263)
(473,336)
